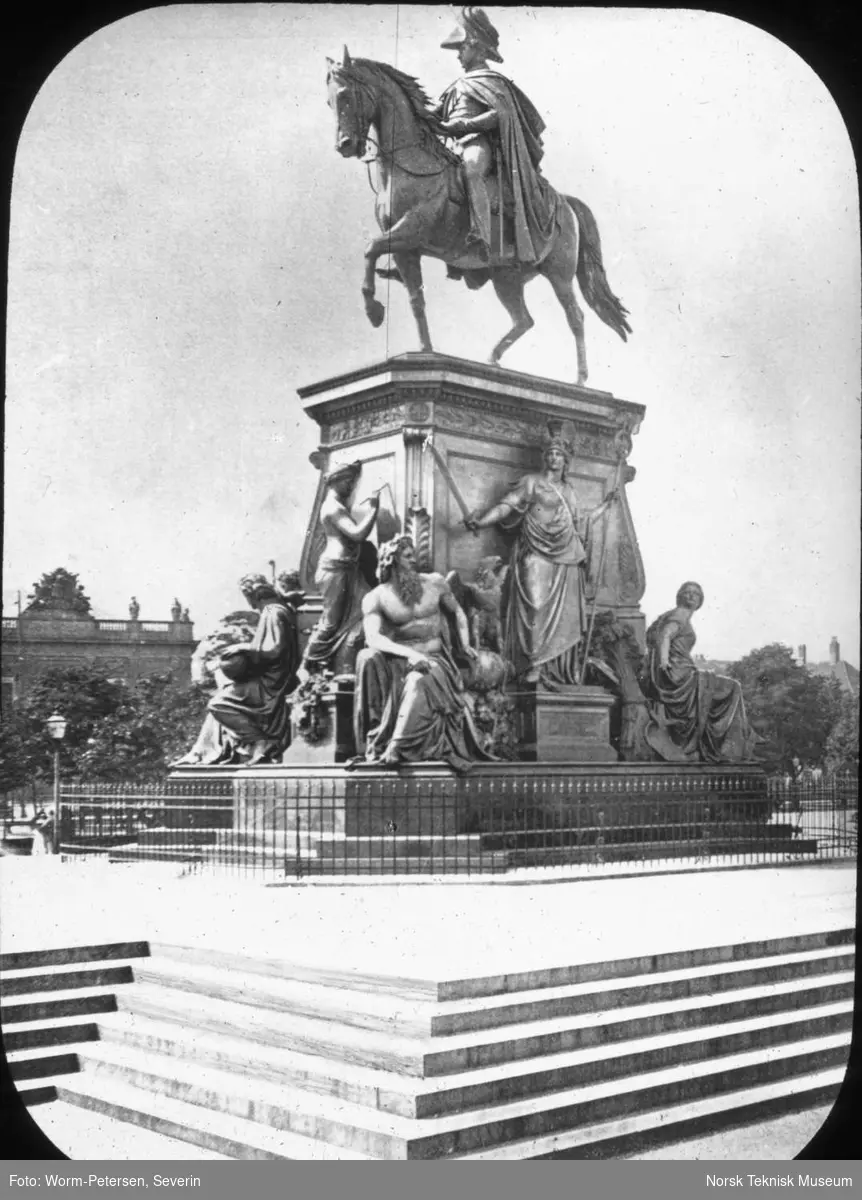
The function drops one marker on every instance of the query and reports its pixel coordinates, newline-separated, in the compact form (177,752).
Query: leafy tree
(84,696)
(792,710)
(114,732)
(58,589)
(842,745)
(139,742)
(15,769)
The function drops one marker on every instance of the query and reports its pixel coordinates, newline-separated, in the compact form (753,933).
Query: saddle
(504,246)
(458,192)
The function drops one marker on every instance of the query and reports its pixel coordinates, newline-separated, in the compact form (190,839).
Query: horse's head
(353,104)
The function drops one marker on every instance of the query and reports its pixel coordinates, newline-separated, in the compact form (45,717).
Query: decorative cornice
(424,376)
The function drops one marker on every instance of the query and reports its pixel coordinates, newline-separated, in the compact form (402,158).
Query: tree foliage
(792,710)
(842,745)
(114,732)
(58,589)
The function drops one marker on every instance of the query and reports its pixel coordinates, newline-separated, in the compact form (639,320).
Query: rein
(381,154)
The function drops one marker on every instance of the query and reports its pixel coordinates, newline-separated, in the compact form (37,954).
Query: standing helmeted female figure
(546,612)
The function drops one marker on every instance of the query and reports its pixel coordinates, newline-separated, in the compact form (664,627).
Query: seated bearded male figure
(411,704)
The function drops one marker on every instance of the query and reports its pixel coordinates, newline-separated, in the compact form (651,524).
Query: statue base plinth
(328,738)
(501,816)
(571,724)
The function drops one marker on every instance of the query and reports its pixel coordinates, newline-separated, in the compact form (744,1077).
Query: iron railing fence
(339,824)
(18,809)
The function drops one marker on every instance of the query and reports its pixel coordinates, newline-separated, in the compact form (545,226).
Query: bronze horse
(421,209)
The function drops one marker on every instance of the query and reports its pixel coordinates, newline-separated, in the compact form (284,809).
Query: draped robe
(255,708)
(518,138)
(546,610)
(695,716)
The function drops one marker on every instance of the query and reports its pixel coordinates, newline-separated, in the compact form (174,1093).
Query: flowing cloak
(414,717)
(519,138)
(695,716)
(546,610)
(256,708)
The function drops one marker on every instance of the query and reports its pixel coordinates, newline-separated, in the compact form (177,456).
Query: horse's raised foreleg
(401,243)
(565,293)
(410,268)
(509,286)
(374,310)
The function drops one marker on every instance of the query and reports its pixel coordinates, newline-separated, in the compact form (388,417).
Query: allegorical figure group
(407,640)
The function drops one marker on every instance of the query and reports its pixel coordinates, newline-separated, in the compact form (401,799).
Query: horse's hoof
(375,312)
(582,380)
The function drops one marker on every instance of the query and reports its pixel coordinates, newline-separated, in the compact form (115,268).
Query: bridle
(355,87)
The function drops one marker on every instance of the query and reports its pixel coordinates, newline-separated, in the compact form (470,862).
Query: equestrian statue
(460,180)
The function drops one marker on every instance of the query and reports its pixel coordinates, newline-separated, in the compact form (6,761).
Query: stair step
(228,1136)
(19,960)
(361,1008)
(92,1136)
(78,1002)
(407,864)
(269,1027)
(36,1064)
(386,1135)
(411,1096)
(282,969)
(366,1086)
(36,1035)
(38,1092)
(673,960)
(479,1012)
(465,1050)
(394,1051)
(836,941)
(66,974)
(31,984)
(382,1011)
(376,845)
(752,1103)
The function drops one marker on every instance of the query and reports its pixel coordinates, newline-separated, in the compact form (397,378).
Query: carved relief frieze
(351,426)
(485,423)
(417,411)
(486,420)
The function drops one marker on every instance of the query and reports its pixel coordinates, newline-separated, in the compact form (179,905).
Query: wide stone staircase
(246,1057)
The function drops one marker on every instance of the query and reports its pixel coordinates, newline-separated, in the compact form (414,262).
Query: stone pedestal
(569,725)
(305,819)
(330,736)
(488,425)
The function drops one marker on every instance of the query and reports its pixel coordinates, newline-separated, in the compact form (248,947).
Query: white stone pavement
(451,931)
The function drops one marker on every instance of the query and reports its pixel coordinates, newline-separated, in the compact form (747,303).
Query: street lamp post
(57,731)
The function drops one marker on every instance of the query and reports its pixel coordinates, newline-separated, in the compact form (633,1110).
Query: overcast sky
(186,251)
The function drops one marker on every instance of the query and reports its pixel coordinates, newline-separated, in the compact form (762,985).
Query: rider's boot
(480,213)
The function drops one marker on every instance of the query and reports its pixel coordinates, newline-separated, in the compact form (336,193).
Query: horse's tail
(591,271)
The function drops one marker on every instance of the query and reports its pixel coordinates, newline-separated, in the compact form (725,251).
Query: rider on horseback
(492,119)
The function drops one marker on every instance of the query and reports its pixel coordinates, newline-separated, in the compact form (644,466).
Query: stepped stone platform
(248,1057)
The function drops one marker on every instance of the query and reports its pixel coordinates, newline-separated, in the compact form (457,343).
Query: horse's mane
(418,99)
